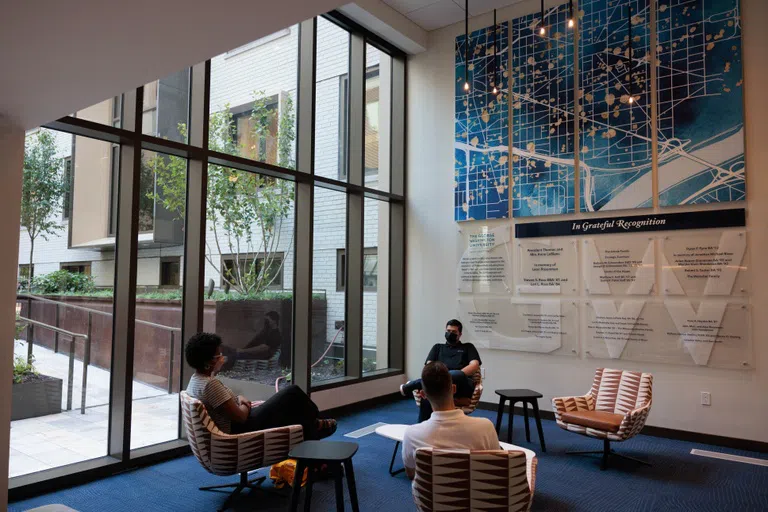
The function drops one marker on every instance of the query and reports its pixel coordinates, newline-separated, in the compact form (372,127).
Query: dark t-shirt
(455,357)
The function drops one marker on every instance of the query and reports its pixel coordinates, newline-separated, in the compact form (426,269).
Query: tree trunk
(31,266)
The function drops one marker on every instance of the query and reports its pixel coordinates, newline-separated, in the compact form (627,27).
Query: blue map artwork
(542,90)
(700,113)
(481,145)
(615,165)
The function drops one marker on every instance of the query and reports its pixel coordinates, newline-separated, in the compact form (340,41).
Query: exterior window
(170,272)
(249,266)
(67,203)
(257,136)
(370,269)
(77,268)
(371,123)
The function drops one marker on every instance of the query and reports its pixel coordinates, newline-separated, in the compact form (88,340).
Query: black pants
(289,406)
(465,386)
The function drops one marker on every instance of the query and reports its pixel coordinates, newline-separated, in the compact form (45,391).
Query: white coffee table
(396,433)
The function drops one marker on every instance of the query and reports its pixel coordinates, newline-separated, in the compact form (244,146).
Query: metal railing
(87,351)
(71,372)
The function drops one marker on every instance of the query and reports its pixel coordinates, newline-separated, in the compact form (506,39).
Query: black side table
(313,454)
(525,396)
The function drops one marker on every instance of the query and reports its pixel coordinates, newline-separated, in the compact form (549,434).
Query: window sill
(348,381)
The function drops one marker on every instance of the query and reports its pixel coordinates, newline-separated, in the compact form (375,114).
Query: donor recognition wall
(637,288)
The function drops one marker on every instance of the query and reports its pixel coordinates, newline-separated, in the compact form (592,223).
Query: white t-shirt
(449,430)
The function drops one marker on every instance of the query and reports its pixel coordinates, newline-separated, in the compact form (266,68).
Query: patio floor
(50,441)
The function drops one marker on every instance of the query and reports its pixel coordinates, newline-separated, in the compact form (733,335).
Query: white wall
(739,405)
(12,149)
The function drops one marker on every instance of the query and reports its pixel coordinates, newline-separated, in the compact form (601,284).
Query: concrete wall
(739,408)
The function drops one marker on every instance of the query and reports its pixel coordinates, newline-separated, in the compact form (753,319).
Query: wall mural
(700,113)
(542,88)
(615,166)
(698,96)
(481,144)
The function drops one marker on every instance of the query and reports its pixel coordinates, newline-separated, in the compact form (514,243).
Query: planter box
(36,398)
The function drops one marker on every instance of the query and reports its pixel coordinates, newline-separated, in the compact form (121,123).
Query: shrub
(63,281)
(22,369)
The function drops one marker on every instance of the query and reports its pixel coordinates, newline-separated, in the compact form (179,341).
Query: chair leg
(500,414)
(606,453)
(392,462)
(633,459)
(527,428)
(244,483)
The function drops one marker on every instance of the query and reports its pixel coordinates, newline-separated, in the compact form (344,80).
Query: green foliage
(239,202)
(21,369)
(63,281)
(43,188)
(369,365)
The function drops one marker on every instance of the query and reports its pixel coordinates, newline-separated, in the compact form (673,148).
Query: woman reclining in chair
(235,414)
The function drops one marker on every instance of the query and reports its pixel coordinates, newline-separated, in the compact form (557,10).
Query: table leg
(392,462)
(338,475)
(297,485)
(527,428)
(500,414)
(308,492)
(351,484)
(511,420)
(535,404)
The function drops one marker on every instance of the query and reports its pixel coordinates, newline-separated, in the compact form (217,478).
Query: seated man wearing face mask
(462,360)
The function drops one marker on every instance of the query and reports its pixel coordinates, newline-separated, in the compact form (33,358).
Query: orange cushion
(598,420)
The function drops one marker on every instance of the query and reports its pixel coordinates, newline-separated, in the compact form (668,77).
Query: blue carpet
(677,481)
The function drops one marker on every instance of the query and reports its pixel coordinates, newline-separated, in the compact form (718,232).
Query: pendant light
(495,52)
(542,27)
(466,45)
(631,61)
(571,21)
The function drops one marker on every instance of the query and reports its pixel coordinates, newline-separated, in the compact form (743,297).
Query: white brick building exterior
(269,66)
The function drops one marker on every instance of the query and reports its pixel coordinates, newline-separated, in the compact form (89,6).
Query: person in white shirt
(448,427)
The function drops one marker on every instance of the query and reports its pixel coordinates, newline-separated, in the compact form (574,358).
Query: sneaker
(402,389)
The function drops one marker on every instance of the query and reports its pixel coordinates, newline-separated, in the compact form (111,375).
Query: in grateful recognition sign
(634,223)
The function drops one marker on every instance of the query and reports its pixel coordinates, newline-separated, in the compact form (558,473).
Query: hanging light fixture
(466,45)
(571,21)
(542,27)
(495,52)
(631,61)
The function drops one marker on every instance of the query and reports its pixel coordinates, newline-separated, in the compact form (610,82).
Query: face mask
(451,337)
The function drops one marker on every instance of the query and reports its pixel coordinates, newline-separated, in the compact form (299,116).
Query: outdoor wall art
(542,90)
(700,113)
(481,145)
(615,119)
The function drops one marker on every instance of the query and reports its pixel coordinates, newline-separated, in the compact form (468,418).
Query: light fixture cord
(631,62)
(466,42)
(495,53)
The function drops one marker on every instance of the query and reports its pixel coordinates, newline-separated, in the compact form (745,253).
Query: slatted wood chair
(615,409)
(468,405)
(228,454)
(473,480)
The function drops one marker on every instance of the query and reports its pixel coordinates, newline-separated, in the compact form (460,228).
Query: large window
(168,216)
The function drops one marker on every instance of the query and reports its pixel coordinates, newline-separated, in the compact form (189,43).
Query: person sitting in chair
(461,359)
(234,414)
(448,428)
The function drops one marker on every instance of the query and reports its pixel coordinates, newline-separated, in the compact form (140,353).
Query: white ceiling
(57,57)
(434,14)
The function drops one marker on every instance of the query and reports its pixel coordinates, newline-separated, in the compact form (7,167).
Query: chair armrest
(253,450)
(565,404)
(634,421)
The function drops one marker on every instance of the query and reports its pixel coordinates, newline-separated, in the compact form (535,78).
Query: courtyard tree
(245,210)
(43,188)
